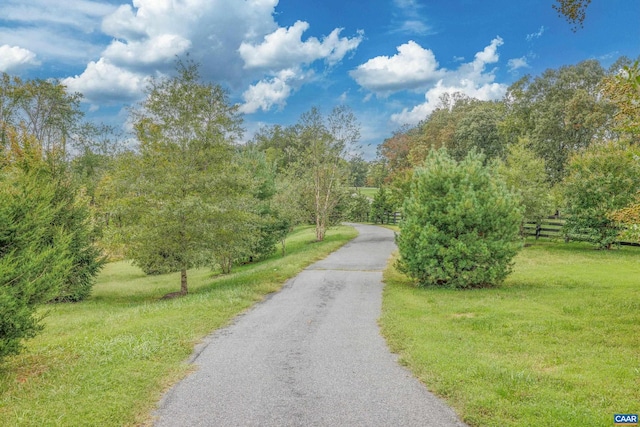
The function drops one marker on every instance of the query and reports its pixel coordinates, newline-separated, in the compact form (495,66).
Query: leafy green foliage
(313,157)
(262,229)
(524,173)
(629,219)
(176,193)
(380,206)
(39,120)
(561,112)
(395,151)
(34,255)
(357,206)
(461,226)
(286,207)
(43,109)
(622,88)
(322,167)
(602,179)
(358,170)
(574,11)
(378,172)
(282,145)
(75,217)
(478,128)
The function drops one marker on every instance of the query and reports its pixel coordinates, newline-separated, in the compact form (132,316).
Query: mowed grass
(557,345)
(369,192)
(107,361)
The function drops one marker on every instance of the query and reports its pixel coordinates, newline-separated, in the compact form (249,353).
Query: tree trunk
(183,287)
(183,281)
(320,228)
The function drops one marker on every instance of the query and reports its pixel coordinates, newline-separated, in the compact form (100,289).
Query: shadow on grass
(123,284)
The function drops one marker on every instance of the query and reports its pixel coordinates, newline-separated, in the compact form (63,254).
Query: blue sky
(389,60)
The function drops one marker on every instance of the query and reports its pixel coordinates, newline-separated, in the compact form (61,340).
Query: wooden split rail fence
(550,227)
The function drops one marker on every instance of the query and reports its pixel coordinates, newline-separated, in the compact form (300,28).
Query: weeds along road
(311,355)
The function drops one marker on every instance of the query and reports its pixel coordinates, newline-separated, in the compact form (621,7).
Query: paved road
(311,355)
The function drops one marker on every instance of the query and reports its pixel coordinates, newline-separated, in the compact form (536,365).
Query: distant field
(367,191)
(106,361)
(557,345)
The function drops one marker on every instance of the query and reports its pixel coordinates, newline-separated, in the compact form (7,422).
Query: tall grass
(557,345)
(106,361)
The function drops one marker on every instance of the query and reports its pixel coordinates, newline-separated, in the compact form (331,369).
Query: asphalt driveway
(311,355)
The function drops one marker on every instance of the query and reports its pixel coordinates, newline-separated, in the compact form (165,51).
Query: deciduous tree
(622,89)
(323,165)
(602,179)
(561,112)
(380,206)
(629,220)
(179,187)
(479,128)
(524,173)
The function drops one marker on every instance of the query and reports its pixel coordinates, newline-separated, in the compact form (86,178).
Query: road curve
(311,355)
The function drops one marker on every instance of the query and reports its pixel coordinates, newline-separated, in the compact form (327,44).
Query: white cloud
(123,24)
(407,18)
(287,59)
(268,92)
(413,26)
(537,34)
(13,58)
(106,82)
(84,15)
(235,42)
(284,48)
(471,79)
(49,45)
(152,51)
(60,32)
(406,4)
(484,92)
(517,63)
(412,67)
(489,54)
(148,36)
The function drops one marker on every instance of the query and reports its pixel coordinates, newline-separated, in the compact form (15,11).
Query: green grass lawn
(370,192)
(106,361)
(557,345)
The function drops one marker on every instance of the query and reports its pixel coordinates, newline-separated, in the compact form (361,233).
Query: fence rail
(550,227)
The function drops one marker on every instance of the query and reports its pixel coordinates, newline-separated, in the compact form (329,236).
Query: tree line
(469,176)
(566,141)
(182,191)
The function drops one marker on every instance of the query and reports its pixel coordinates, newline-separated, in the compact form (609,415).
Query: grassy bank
(106,361)
(557,345)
